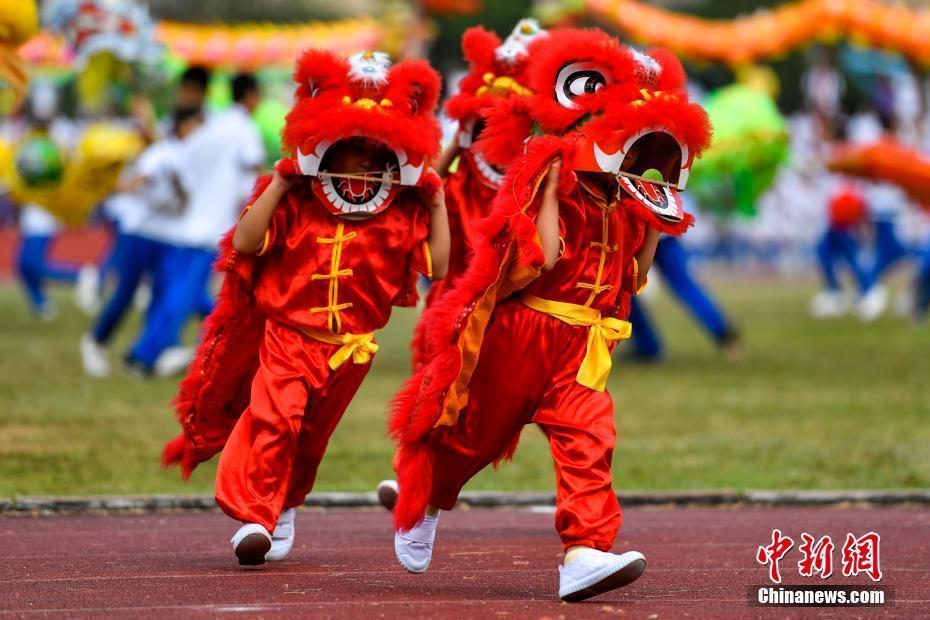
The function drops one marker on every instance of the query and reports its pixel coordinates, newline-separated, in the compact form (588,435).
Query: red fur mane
(319,113)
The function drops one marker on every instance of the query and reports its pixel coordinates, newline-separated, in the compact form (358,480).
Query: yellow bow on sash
(595,367)
(360,347)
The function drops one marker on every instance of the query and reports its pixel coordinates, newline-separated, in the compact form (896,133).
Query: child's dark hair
(243,84)
(182,114)
(196,76)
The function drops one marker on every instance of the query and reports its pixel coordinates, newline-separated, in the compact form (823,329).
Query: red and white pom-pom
(286,167)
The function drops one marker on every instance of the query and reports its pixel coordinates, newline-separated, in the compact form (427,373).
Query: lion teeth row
(487,171)
(372,205)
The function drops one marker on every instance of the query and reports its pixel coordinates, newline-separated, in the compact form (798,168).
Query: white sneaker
(87,290)
(387,493)
(174,361)
(282,538)
(94,358)
(591,572)
(250,543)
(872,305)
(829,304)
(414,548)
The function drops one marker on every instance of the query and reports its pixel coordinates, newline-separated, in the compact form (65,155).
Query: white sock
(573,552)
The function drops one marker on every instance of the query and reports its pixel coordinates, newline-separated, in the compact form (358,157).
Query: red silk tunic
(320,271)
(595,266)
(468,199)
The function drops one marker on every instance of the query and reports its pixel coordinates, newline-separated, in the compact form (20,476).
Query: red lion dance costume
(496,76)
(496,71)
(544,339)
(292,335)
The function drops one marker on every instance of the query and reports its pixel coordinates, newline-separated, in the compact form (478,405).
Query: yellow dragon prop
(92,170)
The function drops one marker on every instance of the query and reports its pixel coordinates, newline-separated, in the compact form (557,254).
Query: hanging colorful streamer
(245,46)
(773,33)
(452,7)
(888,161)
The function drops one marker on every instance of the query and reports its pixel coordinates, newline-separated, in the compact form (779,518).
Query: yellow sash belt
(360,347)
(595,367)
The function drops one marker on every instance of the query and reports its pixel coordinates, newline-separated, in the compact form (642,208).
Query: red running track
(487,564)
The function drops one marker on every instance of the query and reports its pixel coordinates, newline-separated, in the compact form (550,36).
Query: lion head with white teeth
(496,70)
(614,110)
(390,108)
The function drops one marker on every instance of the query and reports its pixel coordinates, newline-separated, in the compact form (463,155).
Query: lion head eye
(577,79)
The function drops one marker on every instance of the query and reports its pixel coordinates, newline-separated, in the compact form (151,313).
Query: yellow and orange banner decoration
(452,7)
(256,45)
(773,33)
(246,46)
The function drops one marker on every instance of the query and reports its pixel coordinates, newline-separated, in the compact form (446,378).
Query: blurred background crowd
(132,132)
(144,125)
(788,322)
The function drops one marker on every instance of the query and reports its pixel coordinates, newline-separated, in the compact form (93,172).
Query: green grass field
(827,405)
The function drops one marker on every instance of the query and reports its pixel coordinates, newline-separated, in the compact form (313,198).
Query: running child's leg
(646,343)
(324,411)
(827,253)
(672,260)
(257,461)
(579,423)
(135,259)
(31,266)
(504,392)
(505,388)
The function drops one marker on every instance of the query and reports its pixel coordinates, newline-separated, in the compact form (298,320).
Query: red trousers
(270,461)
(526,373)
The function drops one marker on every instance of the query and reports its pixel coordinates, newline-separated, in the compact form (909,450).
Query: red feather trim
(672,78)
(508,123)
(652,220)
(320,114)
(479,46)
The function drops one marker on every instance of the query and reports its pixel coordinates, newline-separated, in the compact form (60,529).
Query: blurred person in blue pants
(922,286)
(671,259)
(219,164)
(886,203)
(148,213)
(39,161)
(38,229)
(840,246)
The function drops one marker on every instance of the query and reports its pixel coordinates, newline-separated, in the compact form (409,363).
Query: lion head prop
(496,70)
(611,109)
(365,96)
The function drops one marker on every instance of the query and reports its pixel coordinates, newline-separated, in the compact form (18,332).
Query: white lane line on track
(253,573)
